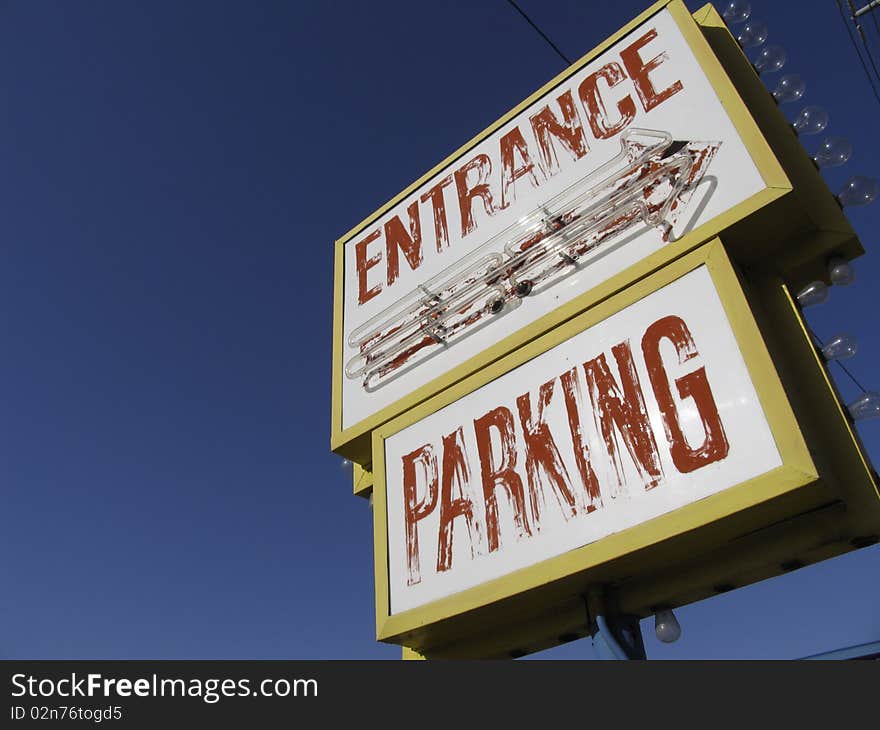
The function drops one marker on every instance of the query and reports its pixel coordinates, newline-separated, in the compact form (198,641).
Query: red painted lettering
(695,385)
(455,470)
(626,414)
(639,70)
(397,238)
(438,205)
(501,474)
(481,165)
(542,456)
(570,133)
(416,509)
(571,388)
(363,265)
(597,114)
(512,143)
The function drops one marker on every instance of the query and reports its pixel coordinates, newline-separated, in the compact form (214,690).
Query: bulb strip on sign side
(643,184)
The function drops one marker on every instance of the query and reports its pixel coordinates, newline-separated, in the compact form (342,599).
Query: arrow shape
(650,182)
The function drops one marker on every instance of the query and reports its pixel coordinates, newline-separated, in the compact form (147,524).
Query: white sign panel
(613,164)
(643,413)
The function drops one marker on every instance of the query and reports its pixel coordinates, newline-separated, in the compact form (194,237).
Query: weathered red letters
(530,153)
(444,476)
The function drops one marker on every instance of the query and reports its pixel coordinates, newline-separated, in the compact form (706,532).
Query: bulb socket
(523,289)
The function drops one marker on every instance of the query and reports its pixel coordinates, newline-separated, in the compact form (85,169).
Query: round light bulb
(833,152)
(815,292)
(666,626)
(770,59)
(811,120)
(858,190)
(841,347)
(736,11)
(791,87)
(345,465)
(752,34)
(841,272)
(865,406)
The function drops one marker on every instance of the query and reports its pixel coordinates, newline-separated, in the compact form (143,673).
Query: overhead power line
(846,23)
(853,13)
(839,364)
(539,31)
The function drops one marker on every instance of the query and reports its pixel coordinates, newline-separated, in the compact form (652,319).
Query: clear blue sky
(172,177)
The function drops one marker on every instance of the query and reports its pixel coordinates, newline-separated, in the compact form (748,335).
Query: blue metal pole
(604,643)
(861,651)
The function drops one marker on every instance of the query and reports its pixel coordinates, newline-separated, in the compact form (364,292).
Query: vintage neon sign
(649,182)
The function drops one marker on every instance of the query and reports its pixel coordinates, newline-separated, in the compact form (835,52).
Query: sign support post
(615,636)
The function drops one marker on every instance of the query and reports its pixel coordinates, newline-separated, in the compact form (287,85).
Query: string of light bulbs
(832,152)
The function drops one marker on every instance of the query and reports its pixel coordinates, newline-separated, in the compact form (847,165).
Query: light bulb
(858,190)
(736,11)
(345,465)
(752,34)
(865,406)
(833,152)
(666,626)
(811,120)
(841,347)
(770,59)
(815,292)
(791,87)
(841,272)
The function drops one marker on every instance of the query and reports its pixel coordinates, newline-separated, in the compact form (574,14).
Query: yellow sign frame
(663,561)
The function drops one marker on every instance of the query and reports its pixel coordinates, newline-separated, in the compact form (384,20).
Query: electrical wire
(839,364)
(876,24)
(851,376)
(856,48)
(861,31)
(540,32)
